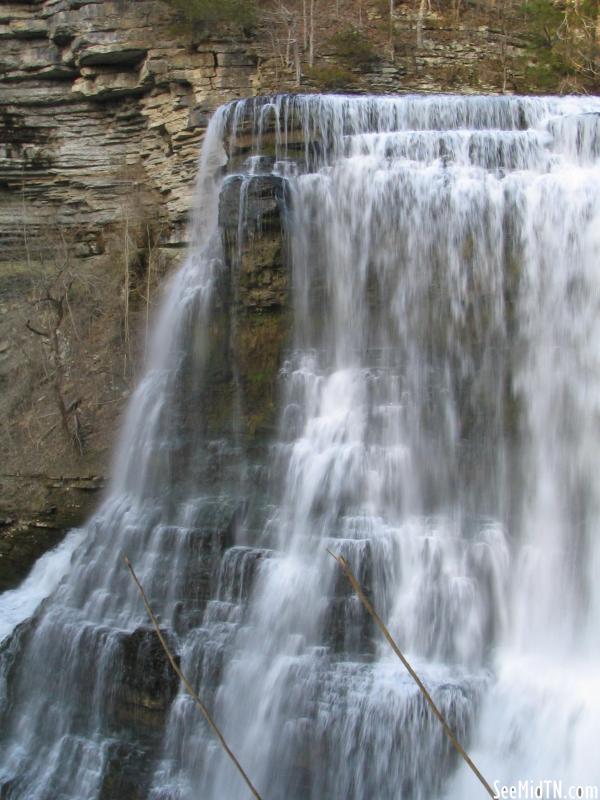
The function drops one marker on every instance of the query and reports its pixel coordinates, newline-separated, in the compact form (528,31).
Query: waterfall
(438,408)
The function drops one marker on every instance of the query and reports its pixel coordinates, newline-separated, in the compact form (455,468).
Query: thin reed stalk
(190,690)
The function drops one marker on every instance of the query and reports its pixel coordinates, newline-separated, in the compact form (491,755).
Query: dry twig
(190,690)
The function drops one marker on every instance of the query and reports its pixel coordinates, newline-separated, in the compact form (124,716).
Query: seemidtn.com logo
(544,790)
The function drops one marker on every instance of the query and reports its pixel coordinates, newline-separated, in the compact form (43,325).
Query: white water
(439,408)
(17,605)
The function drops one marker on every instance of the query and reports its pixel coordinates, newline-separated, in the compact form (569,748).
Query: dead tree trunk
(69,412)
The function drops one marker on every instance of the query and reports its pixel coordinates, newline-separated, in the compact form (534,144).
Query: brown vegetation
(73,330)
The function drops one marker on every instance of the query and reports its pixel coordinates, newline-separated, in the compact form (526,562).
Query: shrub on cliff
(563,45)
(331,78)
(354,48)
(200,15)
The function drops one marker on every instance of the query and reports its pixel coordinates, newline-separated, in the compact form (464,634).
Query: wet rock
(260,199)
(348,628)
(245,355)
(21,544)
(200,549)
(126,773)
(146,682)
(262,336)
(238,571)
(11,650)
(255,208)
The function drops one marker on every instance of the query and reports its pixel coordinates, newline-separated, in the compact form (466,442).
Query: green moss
(249,365)
(260,340)
(259,378)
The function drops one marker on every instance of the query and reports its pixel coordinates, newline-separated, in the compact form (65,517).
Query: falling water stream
(438,425)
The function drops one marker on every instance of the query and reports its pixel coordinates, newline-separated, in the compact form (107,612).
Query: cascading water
(438,426)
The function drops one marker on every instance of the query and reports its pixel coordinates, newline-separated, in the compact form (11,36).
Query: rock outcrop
(36,511)
(251,322)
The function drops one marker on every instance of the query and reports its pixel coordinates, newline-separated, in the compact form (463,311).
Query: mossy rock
(261,339)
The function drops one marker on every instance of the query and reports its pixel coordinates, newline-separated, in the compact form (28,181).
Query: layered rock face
(97,99)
